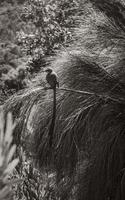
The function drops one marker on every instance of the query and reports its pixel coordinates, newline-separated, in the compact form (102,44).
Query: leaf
(15,181)
(1,127)
(11,153)
(9,129)
(4,192)
(11,166)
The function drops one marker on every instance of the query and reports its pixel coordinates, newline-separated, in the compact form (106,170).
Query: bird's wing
(56,79)
(54,76)
(52,79)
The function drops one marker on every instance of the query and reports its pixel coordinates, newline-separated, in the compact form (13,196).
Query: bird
(52,78)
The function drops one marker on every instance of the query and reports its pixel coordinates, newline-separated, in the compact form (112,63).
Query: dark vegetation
(84,42)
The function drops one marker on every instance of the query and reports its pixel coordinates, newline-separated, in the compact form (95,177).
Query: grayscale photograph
(62,100)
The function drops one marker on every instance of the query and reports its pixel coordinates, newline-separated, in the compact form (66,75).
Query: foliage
(7,161)
(38,185)
(49,26)
(33,185)
(37,29)
(11,54)
(88,146)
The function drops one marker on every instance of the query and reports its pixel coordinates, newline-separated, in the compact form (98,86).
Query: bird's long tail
(52,125)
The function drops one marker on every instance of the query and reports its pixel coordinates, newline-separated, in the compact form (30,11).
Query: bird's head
(48,70)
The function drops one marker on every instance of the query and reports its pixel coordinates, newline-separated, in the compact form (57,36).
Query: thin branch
(82,92)
(38,89)
(76,91)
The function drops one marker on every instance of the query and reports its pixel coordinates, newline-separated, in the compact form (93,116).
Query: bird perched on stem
(52,78)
